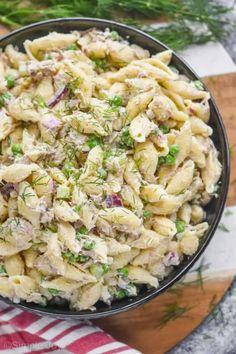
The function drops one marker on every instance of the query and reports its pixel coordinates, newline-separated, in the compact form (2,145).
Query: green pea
(83,230)
(77,208)
(124,272)
(53,291)
(146,214)
(82,258)
(162,160)
(169,160)
(70,256)
(93,141)
(164,128)
(121,294)
(16,149)
(105,268)
(98,269)
(180,226)
(174,149)
(89,244)
(10,81)
(116,101)
(114,36)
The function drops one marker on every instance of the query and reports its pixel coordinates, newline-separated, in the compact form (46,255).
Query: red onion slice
(58,96)
(113,201)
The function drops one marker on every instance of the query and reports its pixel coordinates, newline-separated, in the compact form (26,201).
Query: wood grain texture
(223,89)
(140,328)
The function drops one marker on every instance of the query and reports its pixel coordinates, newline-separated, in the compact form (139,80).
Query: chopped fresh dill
(222,227)
(39,180)
(38,101)
(2,269)
(228,212)
(126,141)
(53,291)
(173,312)
(3,98)
(26,194)
(178,34)
(74,85)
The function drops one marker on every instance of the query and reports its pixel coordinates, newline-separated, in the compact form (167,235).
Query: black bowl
(214,209)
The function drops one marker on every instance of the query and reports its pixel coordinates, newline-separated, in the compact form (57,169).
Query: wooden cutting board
(144,328)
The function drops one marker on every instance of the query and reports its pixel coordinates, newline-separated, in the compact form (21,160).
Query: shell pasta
(106,163)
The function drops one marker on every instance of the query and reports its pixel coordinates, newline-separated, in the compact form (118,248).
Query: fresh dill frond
(178,35)
(228,212)
(38,181)
(172,312)
(26,194)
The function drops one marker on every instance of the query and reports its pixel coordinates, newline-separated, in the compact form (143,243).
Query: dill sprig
(172,312)
(178,35)
(222,227)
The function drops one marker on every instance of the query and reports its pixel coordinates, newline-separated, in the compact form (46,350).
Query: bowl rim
(63,314)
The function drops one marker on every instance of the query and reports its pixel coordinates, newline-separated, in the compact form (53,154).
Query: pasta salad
(106,163)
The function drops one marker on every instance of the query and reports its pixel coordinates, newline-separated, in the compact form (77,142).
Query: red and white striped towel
(23,332)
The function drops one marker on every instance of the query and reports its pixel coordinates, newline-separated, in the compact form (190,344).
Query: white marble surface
(208,59)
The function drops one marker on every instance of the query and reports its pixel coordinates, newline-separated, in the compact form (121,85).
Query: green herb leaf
(124,272)
(228,212)
(74,85)
(77,208)
(2,269)
(101,64)
(120,294)
(68,169)
(53,291)
(222,227)
(72,46)
(38,101)
(126,141)
(172,312)
(93,141)
(3,98)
